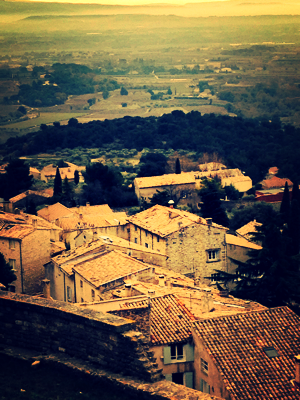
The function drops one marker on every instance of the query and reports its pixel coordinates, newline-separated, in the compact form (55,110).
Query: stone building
(249,355)
(84,274)
(193,245)
(26,248)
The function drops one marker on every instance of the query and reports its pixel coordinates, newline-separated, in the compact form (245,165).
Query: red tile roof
(275,182)
(236,344)
(164,220)
(16,231)
(170,319)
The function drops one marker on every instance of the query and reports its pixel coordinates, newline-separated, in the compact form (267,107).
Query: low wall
(48,326)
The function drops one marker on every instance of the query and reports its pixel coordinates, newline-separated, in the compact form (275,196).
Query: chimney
(80,216)
(171,203)
(46,288)
(297,365)
(127,290)
(34,222)
(161,280)
(87,204)
(209,221)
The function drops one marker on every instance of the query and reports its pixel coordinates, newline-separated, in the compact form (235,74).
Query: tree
(123,91)
(231,192)
(211,193)
(16,180)
(23,110)
(294,227)
(67,193)
(285,204)
(6,272)
(169,91)
(162,197)
(105,94)
(152,164)
(72,122)
(76,177)
(177,167)
(57,189)
(271,275)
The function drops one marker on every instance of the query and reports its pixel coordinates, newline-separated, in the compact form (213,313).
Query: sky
(135,2)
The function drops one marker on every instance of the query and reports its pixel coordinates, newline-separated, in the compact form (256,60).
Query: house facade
(192,245)
(249,355)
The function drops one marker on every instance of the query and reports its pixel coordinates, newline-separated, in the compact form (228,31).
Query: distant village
(157,268)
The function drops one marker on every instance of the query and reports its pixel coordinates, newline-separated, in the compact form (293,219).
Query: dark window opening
(271,352)
(177,378)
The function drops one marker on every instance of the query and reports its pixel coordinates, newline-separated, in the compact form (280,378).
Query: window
(177,378)
(157,239)
(271,352)
(135,228)
(204,386)
(81,284)
(12,263)
(93,294)
(69,294)
(204,366)
(12,244)
(146,245)
(146,233)
(135,240)
(82,301)
(176,351)
(213,255)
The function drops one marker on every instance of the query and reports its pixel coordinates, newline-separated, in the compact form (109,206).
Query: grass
(44,118)
(20,381)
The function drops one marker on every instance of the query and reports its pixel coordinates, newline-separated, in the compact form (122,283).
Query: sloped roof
(247,230)
(164,220)
(73,222)
(19,231)
(102,209)
(236,346)
(170,319)
(165,180)
(29,193)
(242,242)
(51,213)
(108,266)
(275,182)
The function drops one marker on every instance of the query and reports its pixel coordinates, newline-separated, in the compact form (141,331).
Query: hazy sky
(133,2)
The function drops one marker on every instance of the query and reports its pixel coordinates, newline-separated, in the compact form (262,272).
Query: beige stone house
(26,248)
(84,274)
(193,245)
(183,184)
(49,171)
(249,355)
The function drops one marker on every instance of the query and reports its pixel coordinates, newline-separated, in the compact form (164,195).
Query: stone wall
(48,326)
(141,316)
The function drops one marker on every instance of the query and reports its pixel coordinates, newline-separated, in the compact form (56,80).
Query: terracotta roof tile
(275,182)
(102,209)
(247,230)
(242,242)
(163,220)
(236,345)
(165,180)
(170,319)
(51,213)
(28,193)
(19,231)
(73,222)
(108,266)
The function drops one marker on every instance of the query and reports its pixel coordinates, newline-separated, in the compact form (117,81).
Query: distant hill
(15,10)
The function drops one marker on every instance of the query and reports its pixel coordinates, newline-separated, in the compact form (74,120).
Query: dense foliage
(16,179)
(7,274)
(252,145)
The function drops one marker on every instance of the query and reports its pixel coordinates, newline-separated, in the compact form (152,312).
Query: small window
(157,238)
(204,386)
(146,245)
(146,233)
(135,240)
(135,228)
(82,301)
(213,255)
(69,294)
(12,263)
(177,377)
(81,283)
(176,351)
(93,294)
(204,366)
(12,244)
(271,352)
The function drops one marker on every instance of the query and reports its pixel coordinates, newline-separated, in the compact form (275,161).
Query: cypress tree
(57,189)
(285,204)
(295,191)
(177,166)
(76,177)
(294,227)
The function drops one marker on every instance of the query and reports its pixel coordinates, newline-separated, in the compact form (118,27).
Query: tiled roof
(170,319)
(236,346)
(242,242)
(165,180)
(163,220)
(19,231)
(275,182)
(51,213)
(273,170)
(28,193)
(73,222)
(235,179)
(101,209)
(108,266)
(247,230)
